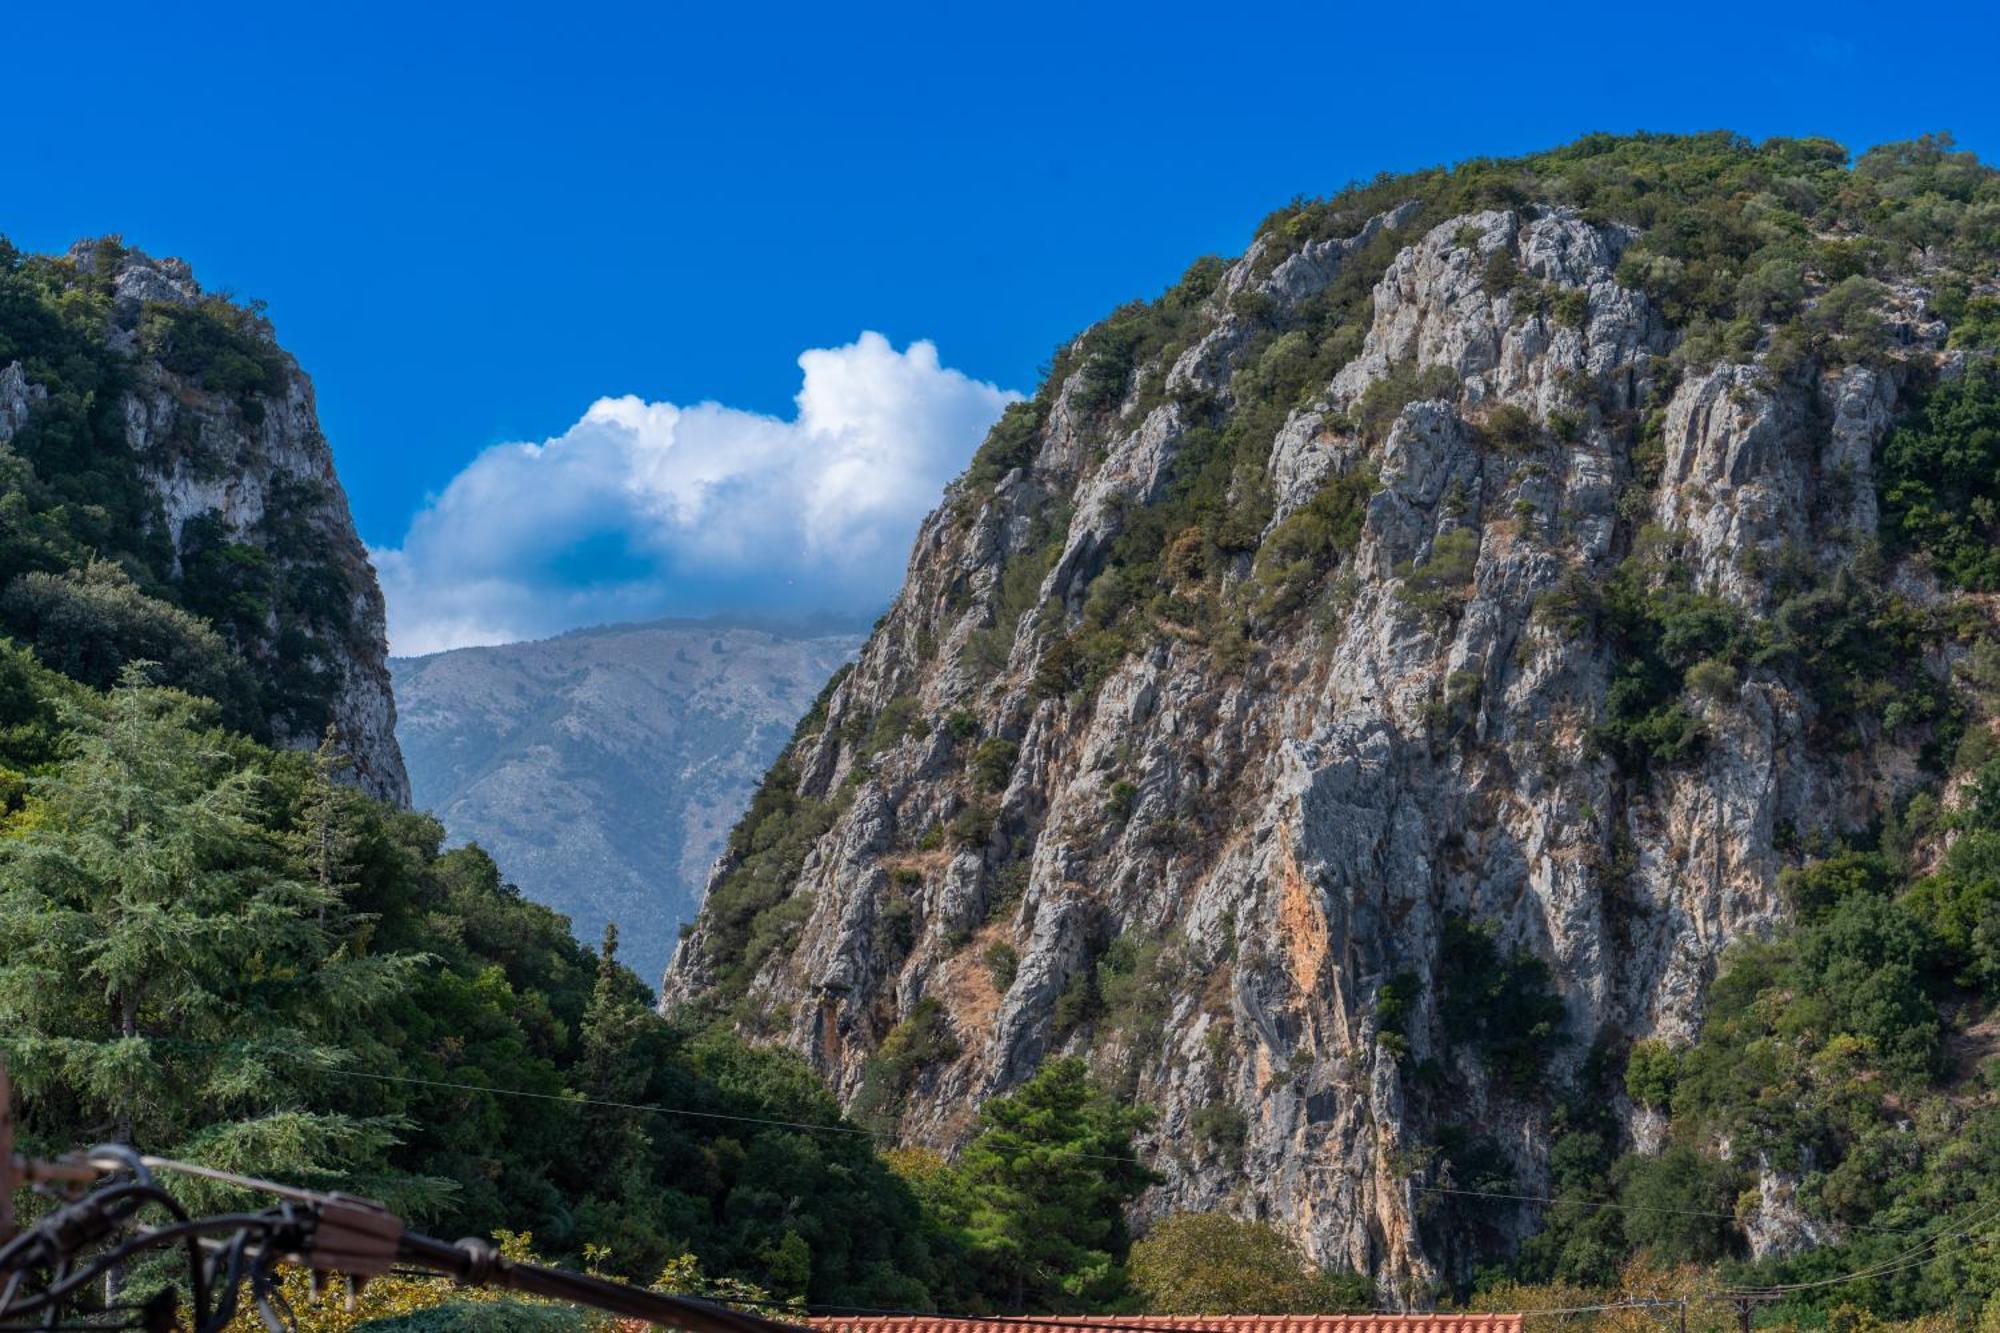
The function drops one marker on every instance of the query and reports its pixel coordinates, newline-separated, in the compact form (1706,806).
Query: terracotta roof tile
(1412,1323)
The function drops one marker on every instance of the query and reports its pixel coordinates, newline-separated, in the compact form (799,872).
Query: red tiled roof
(1234,1323)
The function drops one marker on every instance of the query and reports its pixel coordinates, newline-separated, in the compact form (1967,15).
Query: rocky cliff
(173,501)
(1368,688)
(603,768)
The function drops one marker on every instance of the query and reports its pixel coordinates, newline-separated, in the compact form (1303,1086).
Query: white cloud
(646,509)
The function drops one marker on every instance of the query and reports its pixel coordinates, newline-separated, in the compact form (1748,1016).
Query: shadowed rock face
(603,768)
(247,472)
(1200,865)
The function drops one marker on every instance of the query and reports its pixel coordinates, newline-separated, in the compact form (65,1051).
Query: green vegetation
(1827,1053)
(1038,1197)
(215,948)
(1502,1005)
(88,575)
(1941,479)
(921,1040)
(1212,1264)
(222,347)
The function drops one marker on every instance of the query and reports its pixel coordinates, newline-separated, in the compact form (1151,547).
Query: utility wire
(652,1109)
(1914,1257)
(1639,1208)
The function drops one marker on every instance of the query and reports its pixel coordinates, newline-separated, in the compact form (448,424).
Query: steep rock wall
(1202,862)
(240,472)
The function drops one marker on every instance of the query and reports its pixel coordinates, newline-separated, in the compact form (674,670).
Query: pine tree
(614,1068)
(1044,1188)
(168,977)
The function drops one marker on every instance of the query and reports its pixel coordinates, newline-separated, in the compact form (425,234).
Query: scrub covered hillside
(1488,697)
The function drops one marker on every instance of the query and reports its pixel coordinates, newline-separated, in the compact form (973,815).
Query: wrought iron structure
(108,1209)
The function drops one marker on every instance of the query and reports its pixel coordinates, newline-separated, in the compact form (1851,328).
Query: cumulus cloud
(648,509)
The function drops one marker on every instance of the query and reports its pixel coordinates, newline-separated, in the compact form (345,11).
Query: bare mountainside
(1367,692)
(603,768)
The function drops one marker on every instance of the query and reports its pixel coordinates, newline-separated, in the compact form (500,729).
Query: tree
(164,974)
(1210,1263)
(1043,1188)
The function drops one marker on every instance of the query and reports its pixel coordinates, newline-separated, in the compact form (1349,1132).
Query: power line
(1914,1257)
(576,1100)
(572,1100)
(326,1067)
(1635,1207)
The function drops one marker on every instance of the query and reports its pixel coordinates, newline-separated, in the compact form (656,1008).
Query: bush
(923,1039)
(1510,427)
(1441,581)
(1003,962)
(1504,1006)
(1223,1127)
(1213,1264)
(1384,400)
(1678,1205)
(486,1317)
(993,763)
(91,623)
(1650,1071)
(1940,479)
(217,345)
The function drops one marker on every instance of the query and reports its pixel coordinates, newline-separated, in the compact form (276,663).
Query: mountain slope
(1368,688)
(603,768)
(172,500)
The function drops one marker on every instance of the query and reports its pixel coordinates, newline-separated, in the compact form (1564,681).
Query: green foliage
(1977,325)
(1650,1072)
(1223,1127)
(1679,1205)
(1039,1194)
(1003,962)
(1213,1264)
(1503,1006)
(215,949)
(485,1317)
(1310,541)
(1940,479)
(1393,1005)
(1442,580)
(1009,445)
(1662,631)
(750,911)
(1510,428)
(1384,400)
(921,1040)
(224,348)
(993,763)
(166,973)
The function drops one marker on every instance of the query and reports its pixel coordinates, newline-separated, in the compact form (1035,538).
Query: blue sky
(471,224)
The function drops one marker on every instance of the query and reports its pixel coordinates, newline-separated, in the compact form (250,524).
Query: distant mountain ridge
(603,767)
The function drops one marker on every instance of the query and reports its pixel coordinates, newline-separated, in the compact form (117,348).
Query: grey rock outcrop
(1283,834)
(254,471)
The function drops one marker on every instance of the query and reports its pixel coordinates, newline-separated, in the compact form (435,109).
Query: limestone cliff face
(241,470)
(1200,862)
